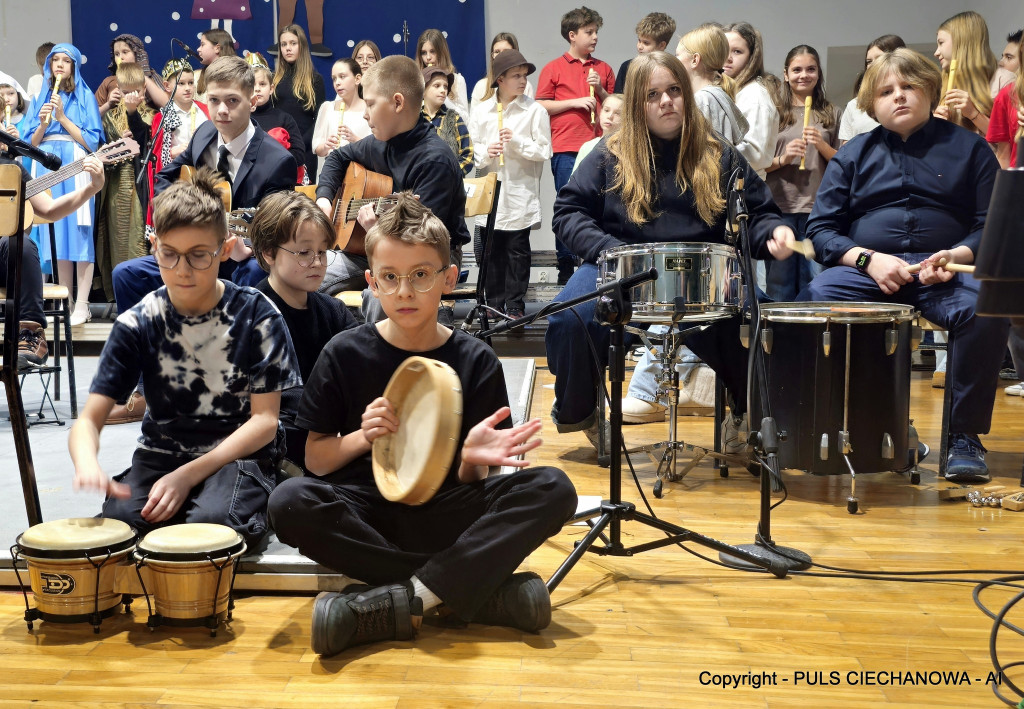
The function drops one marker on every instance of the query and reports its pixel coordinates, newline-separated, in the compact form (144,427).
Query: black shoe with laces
(32,349)
(341,620)
(966,461)
(521,602)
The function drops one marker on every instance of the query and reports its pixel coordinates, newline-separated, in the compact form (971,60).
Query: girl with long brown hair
(856,121)
(664,177)
(432,50)
(298,88)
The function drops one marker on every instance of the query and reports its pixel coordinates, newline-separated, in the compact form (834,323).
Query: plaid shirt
(452,130)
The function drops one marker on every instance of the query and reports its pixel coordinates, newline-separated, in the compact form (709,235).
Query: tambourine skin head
(410,465)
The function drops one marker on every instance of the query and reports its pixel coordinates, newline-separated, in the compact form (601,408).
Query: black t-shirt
(355,367)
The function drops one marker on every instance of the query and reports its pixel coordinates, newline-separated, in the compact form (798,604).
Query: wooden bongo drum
(192,572)
(71,568)
(411,464)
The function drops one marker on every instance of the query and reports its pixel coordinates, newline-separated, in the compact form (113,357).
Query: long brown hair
(697,165)
(976,63)
(444,55)
(500,37)
(754,68)
(226,46)
(301,70)
(824,111)
(710,42)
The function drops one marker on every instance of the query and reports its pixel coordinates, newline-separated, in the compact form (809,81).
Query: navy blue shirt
(916,197)
(590,217)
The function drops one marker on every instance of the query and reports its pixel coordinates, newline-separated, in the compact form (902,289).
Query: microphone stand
(766,439)
(149,157)
(405,37)
(615,310)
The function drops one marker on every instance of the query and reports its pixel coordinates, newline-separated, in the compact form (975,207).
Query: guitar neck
(41,184)
(353,205)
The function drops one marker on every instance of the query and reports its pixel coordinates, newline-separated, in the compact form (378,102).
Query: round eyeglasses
(307,257)
(200,260)
(421,280)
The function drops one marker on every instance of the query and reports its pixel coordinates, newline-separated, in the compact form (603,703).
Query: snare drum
(71,568)
(706,277)
(411,464)
(191,571)
(836,367)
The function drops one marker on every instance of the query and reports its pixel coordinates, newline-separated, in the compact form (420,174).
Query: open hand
(488,446)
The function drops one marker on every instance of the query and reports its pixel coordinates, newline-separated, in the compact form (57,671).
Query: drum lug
(745,335)
(823,452)
(888,449)
(767,336)
(844,443)
(892,341)
(915,337)
(826,343)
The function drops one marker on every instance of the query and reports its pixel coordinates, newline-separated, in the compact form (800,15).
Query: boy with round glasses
(460,548)
(214,358)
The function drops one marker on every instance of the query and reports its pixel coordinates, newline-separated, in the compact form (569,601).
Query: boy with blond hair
(214,358)
(653,33)
(571,89)
(460,548)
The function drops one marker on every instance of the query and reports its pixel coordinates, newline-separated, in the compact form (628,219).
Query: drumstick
(56,92)
(954,267)
(807,121)
(802,246)
(501,156)
(952,79)
(592,118)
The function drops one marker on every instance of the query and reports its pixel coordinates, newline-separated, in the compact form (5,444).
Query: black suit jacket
(266,167)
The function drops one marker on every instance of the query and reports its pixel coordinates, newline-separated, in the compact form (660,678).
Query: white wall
(24,25)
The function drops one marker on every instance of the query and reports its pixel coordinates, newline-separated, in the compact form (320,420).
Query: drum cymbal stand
(765,440)
(615,310)
(665,454)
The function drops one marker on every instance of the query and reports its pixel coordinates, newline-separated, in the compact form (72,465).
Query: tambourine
(411,464)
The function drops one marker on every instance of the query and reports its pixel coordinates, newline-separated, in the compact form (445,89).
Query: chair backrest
(481,195)
(308,190)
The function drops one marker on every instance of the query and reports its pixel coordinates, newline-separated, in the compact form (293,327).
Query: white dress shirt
(183,133)
(525,154)
(236,149)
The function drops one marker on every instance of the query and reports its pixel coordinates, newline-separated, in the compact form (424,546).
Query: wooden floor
(655,630)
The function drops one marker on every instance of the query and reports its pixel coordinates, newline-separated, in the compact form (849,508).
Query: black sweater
(267,117)
(285,99)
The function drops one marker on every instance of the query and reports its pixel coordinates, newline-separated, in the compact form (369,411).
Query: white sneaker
(639,411)
(735,432)
(1014,390)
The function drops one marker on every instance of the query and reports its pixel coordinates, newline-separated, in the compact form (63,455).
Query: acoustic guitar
(109,154)
(361,186)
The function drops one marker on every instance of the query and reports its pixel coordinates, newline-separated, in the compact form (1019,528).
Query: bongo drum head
(196,538)
(76,534)
(411,464)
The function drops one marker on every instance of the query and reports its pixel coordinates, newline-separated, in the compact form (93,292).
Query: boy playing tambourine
(462,547)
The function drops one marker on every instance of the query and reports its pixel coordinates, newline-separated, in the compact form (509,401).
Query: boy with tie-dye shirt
(214,358)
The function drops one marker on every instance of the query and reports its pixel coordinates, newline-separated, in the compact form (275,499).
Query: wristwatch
(863,260)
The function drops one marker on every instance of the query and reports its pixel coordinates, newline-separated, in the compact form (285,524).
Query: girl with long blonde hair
(299,88)
(978,78)
(663,177)
(703,52)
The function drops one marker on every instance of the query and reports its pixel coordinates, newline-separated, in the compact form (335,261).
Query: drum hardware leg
(31,614)
(126,603)
(95,619)
(912,444)
(154,620)
(614,511)
(852,501)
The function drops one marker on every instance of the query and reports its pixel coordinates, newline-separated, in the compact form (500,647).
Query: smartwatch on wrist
(863,260)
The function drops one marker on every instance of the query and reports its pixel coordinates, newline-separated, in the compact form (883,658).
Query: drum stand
(668,381)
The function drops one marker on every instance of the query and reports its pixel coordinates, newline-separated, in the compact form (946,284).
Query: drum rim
(884,312)
(666,246)
(30,553)
(235,549)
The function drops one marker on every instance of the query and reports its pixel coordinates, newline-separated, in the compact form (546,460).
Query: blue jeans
(577,374)
(788,278)
(561,170)
(978,343)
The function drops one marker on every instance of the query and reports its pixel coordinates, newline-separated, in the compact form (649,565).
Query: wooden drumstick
(593,119)
(802,246)
(501,121)
(954,267)
(57,78)
(807,121)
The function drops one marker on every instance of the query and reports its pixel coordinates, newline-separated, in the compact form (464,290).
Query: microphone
(188,50)
(21,147)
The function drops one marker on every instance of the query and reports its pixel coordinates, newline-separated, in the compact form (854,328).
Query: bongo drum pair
(72,567)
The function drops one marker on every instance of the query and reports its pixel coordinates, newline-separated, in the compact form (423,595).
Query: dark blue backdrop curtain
(94,23)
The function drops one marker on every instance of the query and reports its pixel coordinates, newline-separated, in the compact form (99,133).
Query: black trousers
(507,271)
(235,496)
(462,544)
(31,279)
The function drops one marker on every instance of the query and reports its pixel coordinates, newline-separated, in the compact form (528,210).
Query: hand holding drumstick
(939,268)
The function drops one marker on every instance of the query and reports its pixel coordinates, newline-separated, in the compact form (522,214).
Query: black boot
(520,602)
(341,620)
